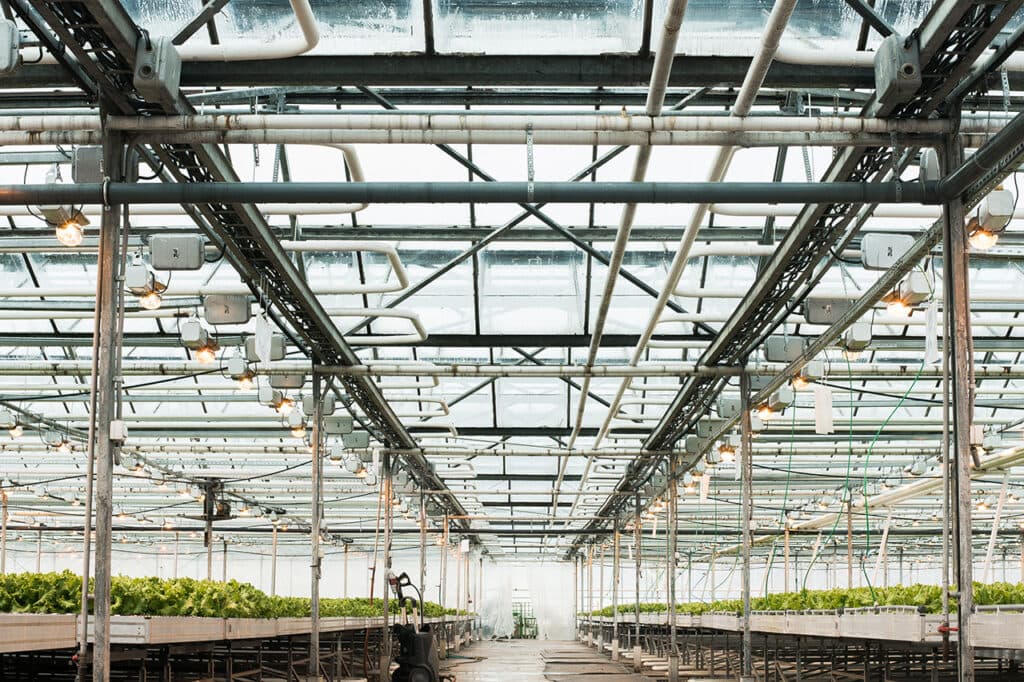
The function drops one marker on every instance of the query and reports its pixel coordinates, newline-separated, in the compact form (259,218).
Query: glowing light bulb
(728,454)
(16,431)
(765,412)
(690,488)
(286,406)
(151,301)
(361,473)
(897,308)
(852,355)
(70,233)
(64,447)
(299,431)
(982,239)
(206,355)
(244,382)
(799,383)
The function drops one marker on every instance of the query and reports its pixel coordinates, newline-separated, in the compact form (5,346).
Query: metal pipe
(316,515)
(496,137)
(746,513)
(968,172)
(664,56)
(109,349)
(477,192)
(385,493)
(273,561)
(955,274)
(616,550)
(777,21)
(651,120)
(670,566)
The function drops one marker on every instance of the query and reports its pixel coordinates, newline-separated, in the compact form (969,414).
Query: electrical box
(226,309)
(357,440)
(176,252)
(87,164)
(157,68)
(728,407)
(7,419)
(692,444)
(897,70)
(326,405)
(825,310)
(858,336)
(783,348)
(193,335)
(287,380)
(995,210)
(813,371)
(268,396)
(10,44)
(706,427)
(277,347)
(781,398)
(338,425)
(759,381)
(138,279)
(118,431)
(336,453)
(915,288)
(879,251)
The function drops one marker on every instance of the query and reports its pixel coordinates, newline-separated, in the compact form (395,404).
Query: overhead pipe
(664,56)
(792,53)
(651,121)
(776,26)
(480,192)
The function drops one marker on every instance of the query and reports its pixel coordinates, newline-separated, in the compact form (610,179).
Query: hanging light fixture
(68,223)
(142,281)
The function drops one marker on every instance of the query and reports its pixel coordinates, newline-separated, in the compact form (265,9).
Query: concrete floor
(527,660)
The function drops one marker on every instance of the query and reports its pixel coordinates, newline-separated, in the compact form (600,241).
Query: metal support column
(670,566)
(958,319)
(273,560)
(590,595)
(386,507)
(3,533)
(600,596)
(224,563)
(637,540)
(108,291)
(746,474)
(422,518)
(316,516)
(616,546)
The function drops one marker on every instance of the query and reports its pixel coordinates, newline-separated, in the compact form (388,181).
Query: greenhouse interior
(552,341)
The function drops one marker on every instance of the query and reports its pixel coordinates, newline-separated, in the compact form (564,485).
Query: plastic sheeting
(549,587)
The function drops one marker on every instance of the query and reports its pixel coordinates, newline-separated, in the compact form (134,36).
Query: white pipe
(502,137)
(997,462)
(793,210)
(792,53)
(650,122)
(740,290)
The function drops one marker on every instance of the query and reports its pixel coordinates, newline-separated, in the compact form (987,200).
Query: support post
(177,542)
(458,593)
(273,560)
(746,495)
(224,564)
(386,493)
(670,566)
(3,533)
(443,587)
(637,542)
(316,516)
(422,518)
(590,595)
(616,546)
(39,551)
(849,541)
(958,319)
(108,345)
(785,558)
(600,596)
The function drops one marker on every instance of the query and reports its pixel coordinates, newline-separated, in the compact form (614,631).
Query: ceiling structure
(532,368)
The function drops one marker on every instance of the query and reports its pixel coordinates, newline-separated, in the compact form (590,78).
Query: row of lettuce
(61,593)
(925,597)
